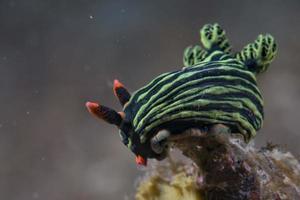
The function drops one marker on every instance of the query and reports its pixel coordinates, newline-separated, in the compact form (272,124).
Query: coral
(223,167)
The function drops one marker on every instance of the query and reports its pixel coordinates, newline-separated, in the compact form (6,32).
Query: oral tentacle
(105,113)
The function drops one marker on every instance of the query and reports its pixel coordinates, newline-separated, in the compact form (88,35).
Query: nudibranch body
(215,87)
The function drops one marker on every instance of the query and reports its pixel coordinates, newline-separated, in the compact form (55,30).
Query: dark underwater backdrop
(55,55)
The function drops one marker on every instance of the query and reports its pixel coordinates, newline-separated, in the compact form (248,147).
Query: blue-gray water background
(55,55)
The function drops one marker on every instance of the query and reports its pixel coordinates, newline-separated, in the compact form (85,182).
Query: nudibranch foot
(159,141)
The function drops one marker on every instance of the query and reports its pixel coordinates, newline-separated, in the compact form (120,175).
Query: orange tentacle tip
(92,107)
(140,160)
(117,84)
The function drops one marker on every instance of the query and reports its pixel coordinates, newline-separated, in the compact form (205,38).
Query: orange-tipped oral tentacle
(92,107)
(140,160)
(121,92)
(107,114)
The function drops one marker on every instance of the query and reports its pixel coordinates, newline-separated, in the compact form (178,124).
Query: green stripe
(162,110)
(187,75)
(166,87)
(166,77)
(201,66)
(164,98)
(221,90)
(184,76)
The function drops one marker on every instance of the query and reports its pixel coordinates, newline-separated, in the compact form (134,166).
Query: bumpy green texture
(215,87)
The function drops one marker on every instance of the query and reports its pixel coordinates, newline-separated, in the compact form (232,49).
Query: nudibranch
(215,86)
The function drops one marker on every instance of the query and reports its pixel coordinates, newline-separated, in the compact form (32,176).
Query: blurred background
(56,55)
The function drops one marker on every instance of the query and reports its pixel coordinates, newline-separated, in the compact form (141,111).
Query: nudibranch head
(143,151)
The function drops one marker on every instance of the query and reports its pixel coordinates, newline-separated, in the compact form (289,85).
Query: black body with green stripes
(219,89)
